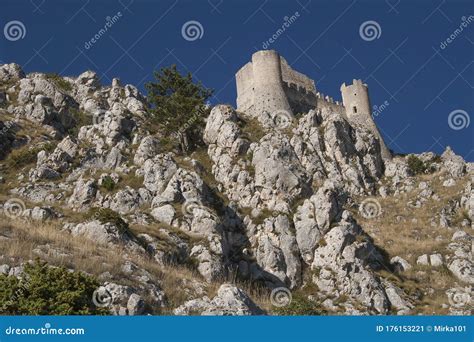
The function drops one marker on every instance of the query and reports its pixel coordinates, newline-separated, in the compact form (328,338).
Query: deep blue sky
(404,66)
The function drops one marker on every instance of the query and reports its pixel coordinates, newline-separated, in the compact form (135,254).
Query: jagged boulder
(83,195)
(11,72)
(148,148)
(454,164)
(460,261)
(157,172)
(104,233)
(314,217)
(277,253)
(342,263)
(229,301)
(126,201)
(209,264)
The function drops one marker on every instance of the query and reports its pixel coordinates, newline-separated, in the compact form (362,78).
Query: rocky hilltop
(299,217)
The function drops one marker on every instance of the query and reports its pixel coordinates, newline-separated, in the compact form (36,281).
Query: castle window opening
(354,109)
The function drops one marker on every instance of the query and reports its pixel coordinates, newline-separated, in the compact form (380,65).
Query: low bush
(45,290)
(299,306)
(108,183)
(416,165)
(60,82)
(106,215)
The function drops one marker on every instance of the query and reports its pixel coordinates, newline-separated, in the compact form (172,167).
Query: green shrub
(21,157)
(416,165)
(60,82)
(108,183)
(299,306)
(178,104)
(436,159)
(106,215)
(47,290)
(80,119)
(25,155)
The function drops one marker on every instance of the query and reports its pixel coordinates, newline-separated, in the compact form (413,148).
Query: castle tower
(356,100)
(260,85)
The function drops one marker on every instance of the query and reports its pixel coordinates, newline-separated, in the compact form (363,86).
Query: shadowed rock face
(306,204)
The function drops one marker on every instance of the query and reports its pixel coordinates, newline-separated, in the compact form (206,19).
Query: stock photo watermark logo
(102,297)
(370,30)
(282,119)
(190,206)
(109,22)
(98,116)
(197,115)
(465,21)
(288,21)
(370,208)
(458,119)
(14,208)
(459,297)
(47,329)
(281,297)
(14,30)
(192,30)
(378,109)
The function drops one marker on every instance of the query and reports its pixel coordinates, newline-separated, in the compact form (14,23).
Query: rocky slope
(270,215)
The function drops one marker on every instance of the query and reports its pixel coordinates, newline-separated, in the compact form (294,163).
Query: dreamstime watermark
(378,109)
(98,116)
(198,114)
(190,206)
(7,126)
(192,30)
(102,297)
(465,21)
(459,297)
(288,21)
(370,208)
(281,297)
(46,330)
(458,119)
(110,21)
(14,30)
(370,30)
(282,118)
(14,208)
(20,292)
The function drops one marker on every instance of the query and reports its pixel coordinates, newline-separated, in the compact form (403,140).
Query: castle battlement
(268,84)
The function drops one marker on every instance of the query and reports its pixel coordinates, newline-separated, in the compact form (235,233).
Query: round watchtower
(268,83)
(356,100)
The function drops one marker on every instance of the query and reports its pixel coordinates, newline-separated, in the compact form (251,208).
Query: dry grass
(20,241)
(407,232)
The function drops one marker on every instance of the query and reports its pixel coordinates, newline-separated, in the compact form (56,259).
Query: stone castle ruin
(268,84)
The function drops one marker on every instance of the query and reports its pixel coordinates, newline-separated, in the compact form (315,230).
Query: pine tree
(179,106)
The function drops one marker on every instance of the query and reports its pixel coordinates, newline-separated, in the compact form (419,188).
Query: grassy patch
(299,306)
(251,128)
(60,82)
(108,183)
(106,215)
(25,155)
(80,119)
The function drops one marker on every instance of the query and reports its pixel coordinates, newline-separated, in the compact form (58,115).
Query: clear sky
(421,83)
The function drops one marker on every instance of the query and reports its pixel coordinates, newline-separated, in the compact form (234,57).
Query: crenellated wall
(268,84)
(291,76)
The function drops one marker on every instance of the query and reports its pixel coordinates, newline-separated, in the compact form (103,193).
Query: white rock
(436,260)
(422,260)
